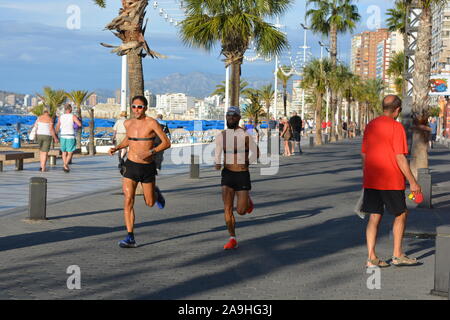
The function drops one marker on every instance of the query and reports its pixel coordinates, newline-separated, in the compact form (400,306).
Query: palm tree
(267,94)
(254,109)
(316,76)
(397,21)
(234,24)
(331,17)
(51,100)
(328,18)
(350,92)
(395,70)
(130,29)
(284,74)
(79,97)
(338,79)
(421,88)
(220,89)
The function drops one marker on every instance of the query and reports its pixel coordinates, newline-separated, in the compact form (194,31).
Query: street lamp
(305,47)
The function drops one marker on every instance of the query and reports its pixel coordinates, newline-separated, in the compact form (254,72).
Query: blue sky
(38,49)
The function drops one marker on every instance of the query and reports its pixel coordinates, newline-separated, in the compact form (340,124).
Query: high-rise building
(175,103)
(151,98)
(386,50)
(440,41)
(92,101)
(364,52)
(118,96)
(111,101)
(11,100)
(34,102)
(27,100)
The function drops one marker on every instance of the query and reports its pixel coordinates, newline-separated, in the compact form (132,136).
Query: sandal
(377,263)
(404,260)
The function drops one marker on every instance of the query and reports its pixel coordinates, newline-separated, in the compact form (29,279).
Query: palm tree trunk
(285,98)
(135,75)
(80,130)
(420,92)
(91,146)
(333,95)
(235,83)
(318,116)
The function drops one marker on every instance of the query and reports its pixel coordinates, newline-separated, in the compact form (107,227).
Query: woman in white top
(44,134)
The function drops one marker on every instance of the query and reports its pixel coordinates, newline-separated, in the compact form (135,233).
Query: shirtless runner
(140,167)
(236,145)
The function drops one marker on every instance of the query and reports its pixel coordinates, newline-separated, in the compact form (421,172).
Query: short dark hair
(391,103)
(142,98)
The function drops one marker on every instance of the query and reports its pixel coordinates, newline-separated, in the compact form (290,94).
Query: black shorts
(296,136)
(376,200)
(237,180)
(139,172)
(433,137)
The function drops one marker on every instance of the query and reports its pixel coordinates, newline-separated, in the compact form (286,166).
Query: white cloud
(26,57)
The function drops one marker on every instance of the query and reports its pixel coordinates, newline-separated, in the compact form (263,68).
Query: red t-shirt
(384,138)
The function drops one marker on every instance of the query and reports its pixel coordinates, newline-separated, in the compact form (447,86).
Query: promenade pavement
(302,241)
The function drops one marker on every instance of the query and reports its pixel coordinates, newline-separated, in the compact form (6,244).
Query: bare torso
(140,129)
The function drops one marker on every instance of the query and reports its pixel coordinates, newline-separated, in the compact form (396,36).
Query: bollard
(311,142)
(325,138)
(442,262)
(195,167)
(424,180)
(37,205)
(52,160)
(269,142)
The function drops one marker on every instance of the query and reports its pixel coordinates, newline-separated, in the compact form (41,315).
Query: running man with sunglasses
(239,150)
(140,166)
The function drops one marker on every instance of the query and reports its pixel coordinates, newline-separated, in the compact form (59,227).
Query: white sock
(233,238)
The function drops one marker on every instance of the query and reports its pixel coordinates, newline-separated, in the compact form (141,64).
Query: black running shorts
(139,172)
(237,180)
(376,200)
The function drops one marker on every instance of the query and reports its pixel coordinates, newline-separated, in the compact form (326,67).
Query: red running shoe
(250,208)
(232,244)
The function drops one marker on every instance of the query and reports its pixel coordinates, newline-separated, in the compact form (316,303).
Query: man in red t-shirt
(385,168)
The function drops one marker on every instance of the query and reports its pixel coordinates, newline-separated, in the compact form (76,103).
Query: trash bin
(16,141)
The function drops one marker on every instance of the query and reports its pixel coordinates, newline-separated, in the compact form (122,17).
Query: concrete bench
(18,156)
(53,154)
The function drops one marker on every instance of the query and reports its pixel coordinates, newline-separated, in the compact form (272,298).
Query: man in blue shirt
(433,126)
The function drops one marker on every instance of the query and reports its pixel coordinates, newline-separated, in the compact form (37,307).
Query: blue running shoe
(129,242)
(160,201)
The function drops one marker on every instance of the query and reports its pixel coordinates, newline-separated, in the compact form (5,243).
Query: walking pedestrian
(44,134)
(119,135)
(296,125)
(385,168)
(286,135)
(68,141)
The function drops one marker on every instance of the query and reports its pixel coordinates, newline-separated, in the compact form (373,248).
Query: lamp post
(305,47)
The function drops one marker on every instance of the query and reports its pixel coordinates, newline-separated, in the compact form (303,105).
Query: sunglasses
(232,114)
(137,107)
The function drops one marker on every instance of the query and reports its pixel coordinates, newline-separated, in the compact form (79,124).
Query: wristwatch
(152,151)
